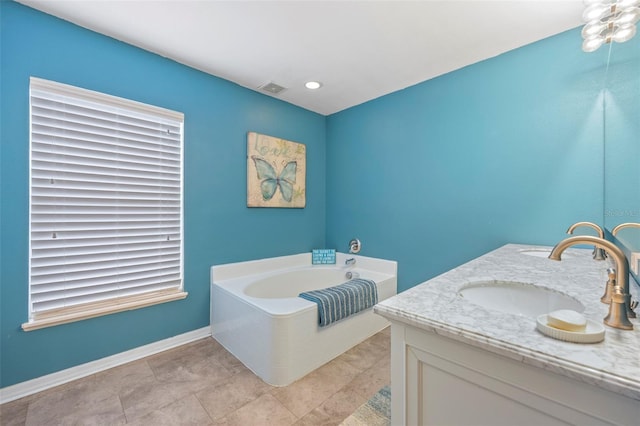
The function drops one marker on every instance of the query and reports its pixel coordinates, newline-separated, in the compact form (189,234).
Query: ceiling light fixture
(313,85)
(607,21)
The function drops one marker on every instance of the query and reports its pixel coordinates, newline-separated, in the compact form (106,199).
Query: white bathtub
(257,316)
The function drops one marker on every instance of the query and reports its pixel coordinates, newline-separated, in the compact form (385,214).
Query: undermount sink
(542,253)
(517,298)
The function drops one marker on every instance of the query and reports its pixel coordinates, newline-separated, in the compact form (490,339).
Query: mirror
(621,98)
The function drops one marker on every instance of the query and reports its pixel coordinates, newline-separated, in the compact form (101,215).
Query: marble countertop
(436,306)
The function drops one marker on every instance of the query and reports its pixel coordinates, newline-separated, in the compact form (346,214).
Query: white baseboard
(19,390)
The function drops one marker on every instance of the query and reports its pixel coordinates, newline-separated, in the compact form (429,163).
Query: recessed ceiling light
(313,85)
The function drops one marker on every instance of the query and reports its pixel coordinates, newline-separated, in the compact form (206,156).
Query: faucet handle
(611,283)
(611,274)
(354,246)
(617,316)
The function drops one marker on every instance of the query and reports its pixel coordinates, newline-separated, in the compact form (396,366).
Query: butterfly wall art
(276,170)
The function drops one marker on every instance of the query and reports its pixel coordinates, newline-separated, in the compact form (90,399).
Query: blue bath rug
(375,412)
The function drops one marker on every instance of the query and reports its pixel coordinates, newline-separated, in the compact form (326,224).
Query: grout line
(195,394)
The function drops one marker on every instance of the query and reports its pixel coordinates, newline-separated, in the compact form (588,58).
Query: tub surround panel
(279,338)
(436,307)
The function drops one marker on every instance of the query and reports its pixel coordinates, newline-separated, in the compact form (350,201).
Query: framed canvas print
(276,170)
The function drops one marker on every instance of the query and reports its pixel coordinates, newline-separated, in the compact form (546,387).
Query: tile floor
(203,384)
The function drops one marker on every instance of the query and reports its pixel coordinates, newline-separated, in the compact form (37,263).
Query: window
(106,209)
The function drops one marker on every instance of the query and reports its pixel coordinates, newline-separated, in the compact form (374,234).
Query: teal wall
(622,137)
(219,228)
(505,150)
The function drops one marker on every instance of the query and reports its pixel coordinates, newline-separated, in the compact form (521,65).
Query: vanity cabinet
(456,361)
(441,381)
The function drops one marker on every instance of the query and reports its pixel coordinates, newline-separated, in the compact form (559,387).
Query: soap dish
(594,332)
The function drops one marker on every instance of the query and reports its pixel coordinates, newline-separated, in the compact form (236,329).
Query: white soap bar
(568,320)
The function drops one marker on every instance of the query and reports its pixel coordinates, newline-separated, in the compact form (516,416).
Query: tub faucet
(598,253)
(621,276)
(350,261)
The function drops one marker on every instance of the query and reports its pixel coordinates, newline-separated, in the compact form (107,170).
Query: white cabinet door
(439,381)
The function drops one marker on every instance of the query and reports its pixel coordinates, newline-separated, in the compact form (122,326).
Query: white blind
(106,197)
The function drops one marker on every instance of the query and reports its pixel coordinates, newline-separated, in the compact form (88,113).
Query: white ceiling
(359,50)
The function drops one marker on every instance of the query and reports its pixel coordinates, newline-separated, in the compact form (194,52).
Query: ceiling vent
(272,88)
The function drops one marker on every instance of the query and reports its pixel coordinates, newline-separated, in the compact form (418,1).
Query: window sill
(78,313)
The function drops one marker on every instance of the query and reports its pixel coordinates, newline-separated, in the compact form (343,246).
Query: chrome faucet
(354,246)
(598,253)
(620,317)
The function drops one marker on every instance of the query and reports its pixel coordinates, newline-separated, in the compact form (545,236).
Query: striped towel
(335,303)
